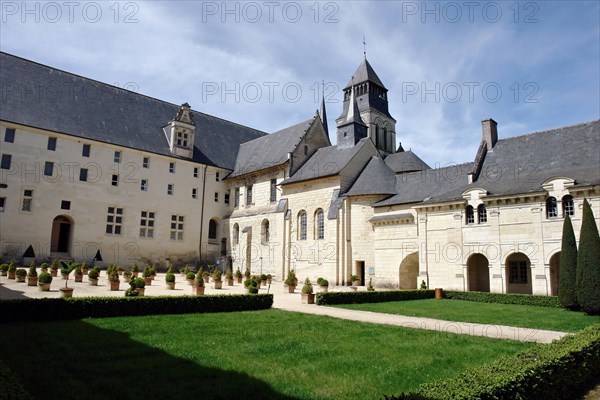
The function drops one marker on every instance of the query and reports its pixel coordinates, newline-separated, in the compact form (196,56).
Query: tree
(588,263)
(567,288)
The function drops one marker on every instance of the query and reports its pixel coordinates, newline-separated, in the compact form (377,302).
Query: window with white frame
(146,162)
(170,188)
(177,222)
(172,167)
(194,193)
(302,225)
(568,206)
(117,157)
(114,220)
(144,185)
(320,224)
(147,224)
(551,207)
(481,214)
(470,215)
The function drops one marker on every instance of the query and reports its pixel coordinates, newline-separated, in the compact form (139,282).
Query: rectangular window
(217,177)
(144,185)
(248,195)
(115,180)
(146,162)
(194,193)
(52,143)
(117,157)
(114,220)
(195,172)
(177,227)
(9,135)
(170,189)
(147,224)
(48,168)
(65,205)
(226,198)
(2,202)
(83,172)
(273,190)
(172,167)
(85,151)
(216,197)
(6,159)
(236,198)
(518,272)
(27,200)
(182,139)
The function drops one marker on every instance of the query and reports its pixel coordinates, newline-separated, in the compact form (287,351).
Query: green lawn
(556,319)
(268,354)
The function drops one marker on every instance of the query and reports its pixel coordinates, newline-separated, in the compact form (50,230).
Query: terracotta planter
(230,282)
(44,287)
(238,279)
(32,281)
(11,274)
(66,292)
(190,282)
(308,298)
(218,284)
(171,285)
(21,278)
(263,283)
(78,278)
(439,293)
(114,286)
(93,282)
(324,289)
(141,291)
(148,281)
(198,290)
(54,272)
(85,271)
(291,288)
(3,273)
(206,279)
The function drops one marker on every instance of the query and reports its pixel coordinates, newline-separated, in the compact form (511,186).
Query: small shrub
(12,267)
(354,278)
(263,277)
(217,275)
(190,276)
(423,285)
(238,273)
(146,273)
(247,272)
(170,277)
(504,298)
(199,281)
(93,274)
(4,267)
(291,279)
(372,297)
(137,283)
(54,265)
(21,272)
(134,268)
(228,274)
(307,288)
(131,292)
(44,277)
(32,272)
(97,269)
(78,271)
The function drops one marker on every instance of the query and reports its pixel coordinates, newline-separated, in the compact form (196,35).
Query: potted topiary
(308,297)
(269,279)
(170,279)
(139,285)
(290,281)
(153,271)
(355,280)
(44,267)
(198,288)
(93,276)
(54,267)
(84,268)
(113,279)
(32,275)
(185,270)
(44,280)
(263,280)
(229,277)
(12,269)
(323,284)
(253,285)
(4,270)
(127,276)
(189,277)
(78,273)
(65,270)
(217,278)
(206,276)
(21,273)
(238,275)
(247,273)
(147,275)
(134,270)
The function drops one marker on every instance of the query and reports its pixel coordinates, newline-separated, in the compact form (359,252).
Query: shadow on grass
(76,360)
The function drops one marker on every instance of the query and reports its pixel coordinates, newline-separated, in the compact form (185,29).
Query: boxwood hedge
(10,386)
(504,298)
(372,297)
(98,307)
(562,369)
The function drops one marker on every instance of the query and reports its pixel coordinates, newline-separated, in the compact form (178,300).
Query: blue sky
(529,65)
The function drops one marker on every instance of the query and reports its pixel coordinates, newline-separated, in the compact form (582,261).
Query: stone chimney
(490,132)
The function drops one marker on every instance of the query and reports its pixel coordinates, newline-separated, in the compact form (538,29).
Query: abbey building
(96,173)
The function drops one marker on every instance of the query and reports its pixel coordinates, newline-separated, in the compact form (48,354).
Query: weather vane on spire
(364,46)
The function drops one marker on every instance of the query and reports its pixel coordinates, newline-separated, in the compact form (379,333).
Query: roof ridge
(550,130)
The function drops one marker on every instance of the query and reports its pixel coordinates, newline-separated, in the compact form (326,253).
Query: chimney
(490,132)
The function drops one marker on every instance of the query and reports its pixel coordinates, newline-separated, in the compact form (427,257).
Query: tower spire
(322,111)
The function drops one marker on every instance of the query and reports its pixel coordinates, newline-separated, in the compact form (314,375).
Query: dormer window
(180,132)
(551,208)
(182,139)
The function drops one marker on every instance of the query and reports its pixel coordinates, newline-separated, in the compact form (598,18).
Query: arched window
(319,225)
(470,215)
(212,229)
(481,214)
(568,206)
(302,225)
(264,231)
(551,208)
(236,233)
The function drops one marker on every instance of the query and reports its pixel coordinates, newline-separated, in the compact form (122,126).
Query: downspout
(202,212)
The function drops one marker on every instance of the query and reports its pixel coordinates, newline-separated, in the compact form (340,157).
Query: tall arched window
(264,231)
(212,229)
(236,233)
(481,214)
(470,215)
(319,225)
(568,206)
(302,225)
(551,208)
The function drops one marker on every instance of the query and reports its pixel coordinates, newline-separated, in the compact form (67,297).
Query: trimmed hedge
(10,386)
(372,297)
(560,370)
(99,307)
(504,298)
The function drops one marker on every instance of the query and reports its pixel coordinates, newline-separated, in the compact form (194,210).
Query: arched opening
(518,272)
(213,226)
(319,224)
(302,225)
(60,241)
(481,214)
(469,215)
(568,206)
(478,272)
(236,233)
(409,271)
(265,233)
(551,208)
(554,273)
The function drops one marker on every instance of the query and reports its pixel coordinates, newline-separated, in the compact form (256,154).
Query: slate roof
(405,161)
(47,98)
(270,150)
(376,178)
(392,217)
(327,161)
(364,73)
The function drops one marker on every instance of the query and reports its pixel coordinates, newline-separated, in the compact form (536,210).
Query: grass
(268,354)
(556,319)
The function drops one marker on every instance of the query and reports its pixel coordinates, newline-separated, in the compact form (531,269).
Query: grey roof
(392,217)
(327,161)
(47,98)
(270,150)
(336,203)
(364,73)
(376,178)
(405,161)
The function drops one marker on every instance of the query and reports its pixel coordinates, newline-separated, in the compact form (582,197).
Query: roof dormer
(181,132)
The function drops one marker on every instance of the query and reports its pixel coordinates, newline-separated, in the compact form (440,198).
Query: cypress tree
(588,263)
(567,289)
